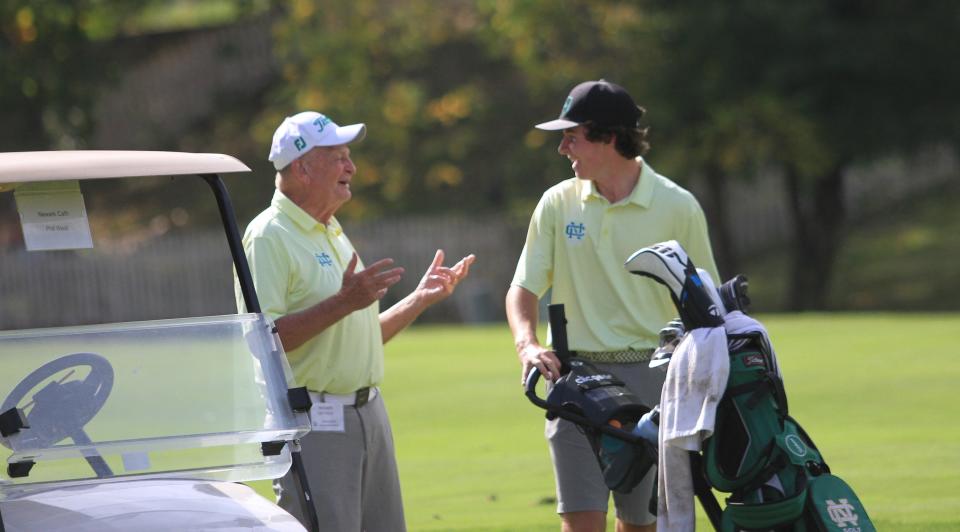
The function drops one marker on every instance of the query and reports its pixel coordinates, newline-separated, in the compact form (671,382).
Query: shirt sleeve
(271,272)
(535,267)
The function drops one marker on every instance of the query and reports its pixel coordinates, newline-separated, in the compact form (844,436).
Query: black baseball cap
(600,102)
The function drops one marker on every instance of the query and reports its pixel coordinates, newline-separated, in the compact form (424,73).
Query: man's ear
(612,141)
(300,172)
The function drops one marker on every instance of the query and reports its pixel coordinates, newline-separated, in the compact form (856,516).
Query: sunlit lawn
(876,392)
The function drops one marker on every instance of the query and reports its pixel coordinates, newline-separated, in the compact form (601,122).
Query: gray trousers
(352,475)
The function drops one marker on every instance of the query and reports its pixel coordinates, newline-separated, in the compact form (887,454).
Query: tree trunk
(818,219)
(715,207)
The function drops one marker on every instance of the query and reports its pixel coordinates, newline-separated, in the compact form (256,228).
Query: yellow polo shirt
(577,243)
(297,262)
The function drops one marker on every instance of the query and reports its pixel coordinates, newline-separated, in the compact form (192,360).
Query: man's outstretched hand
(361,288)
(440,281)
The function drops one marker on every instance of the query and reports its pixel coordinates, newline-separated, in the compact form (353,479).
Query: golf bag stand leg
(703,492)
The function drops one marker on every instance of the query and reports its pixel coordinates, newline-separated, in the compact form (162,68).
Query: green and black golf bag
(774,473)
(776,477)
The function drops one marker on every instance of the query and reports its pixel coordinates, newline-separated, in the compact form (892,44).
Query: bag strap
(769,383)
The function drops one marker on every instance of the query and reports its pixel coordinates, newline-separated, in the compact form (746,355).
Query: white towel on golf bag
(695,382)
(691,414)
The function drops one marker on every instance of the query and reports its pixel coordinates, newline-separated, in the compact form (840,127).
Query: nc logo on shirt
(576,230)
(323,259)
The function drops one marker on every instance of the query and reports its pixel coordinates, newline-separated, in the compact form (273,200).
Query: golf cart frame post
(29,167)
(298,397)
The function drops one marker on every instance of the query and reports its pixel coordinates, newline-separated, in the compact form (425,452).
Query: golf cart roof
(22,167)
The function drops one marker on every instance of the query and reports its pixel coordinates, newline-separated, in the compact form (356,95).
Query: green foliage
(56,55)
(449,90)
(734,86)
(844,77)
(46,74)
(807,88)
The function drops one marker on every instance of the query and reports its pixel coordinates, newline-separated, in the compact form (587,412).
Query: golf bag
(601,406)
(776,476)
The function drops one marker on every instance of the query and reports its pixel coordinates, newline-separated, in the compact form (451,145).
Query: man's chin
(577,170)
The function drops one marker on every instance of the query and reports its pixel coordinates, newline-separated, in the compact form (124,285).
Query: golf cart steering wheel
(62,407)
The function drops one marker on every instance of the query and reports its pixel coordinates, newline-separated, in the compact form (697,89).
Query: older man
(325,303)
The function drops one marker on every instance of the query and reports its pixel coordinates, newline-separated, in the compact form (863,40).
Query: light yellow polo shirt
(577,243)
(297,262)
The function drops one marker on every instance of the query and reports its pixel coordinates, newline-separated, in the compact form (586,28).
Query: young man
(325,304)
(580,234)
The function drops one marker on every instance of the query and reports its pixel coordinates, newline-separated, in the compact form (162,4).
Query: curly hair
(630,141)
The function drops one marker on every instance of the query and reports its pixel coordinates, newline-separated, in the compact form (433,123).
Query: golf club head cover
(734,294)
(712,291)
(668,264)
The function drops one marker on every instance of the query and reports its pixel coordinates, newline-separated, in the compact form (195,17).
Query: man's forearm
(297,328)
(400,315)
(522,315)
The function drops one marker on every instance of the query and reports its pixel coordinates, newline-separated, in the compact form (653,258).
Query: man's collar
(642,193)
(299,216)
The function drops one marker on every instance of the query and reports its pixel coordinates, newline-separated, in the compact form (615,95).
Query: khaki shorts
(580,486)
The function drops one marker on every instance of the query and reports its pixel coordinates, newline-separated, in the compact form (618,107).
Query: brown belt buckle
(363,395)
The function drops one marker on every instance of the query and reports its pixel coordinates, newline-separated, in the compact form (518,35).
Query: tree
(449,91)
(733,89)
(48,69)
(812,88)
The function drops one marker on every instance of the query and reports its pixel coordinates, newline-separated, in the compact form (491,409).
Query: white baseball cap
(301,132)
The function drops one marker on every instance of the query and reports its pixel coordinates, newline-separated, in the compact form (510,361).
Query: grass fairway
(877,392)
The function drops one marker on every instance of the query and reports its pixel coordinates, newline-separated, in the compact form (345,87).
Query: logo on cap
(566,106)
(300,143)
(321,122)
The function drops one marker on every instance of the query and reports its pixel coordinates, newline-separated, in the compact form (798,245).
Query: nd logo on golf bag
(601,405)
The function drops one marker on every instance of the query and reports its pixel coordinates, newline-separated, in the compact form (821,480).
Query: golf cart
(142,425)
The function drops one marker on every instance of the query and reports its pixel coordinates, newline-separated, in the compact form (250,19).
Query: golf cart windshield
(204,398)
(192,398)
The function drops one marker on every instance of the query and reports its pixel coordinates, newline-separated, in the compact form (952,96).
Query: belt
(623,356)
(356,399)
